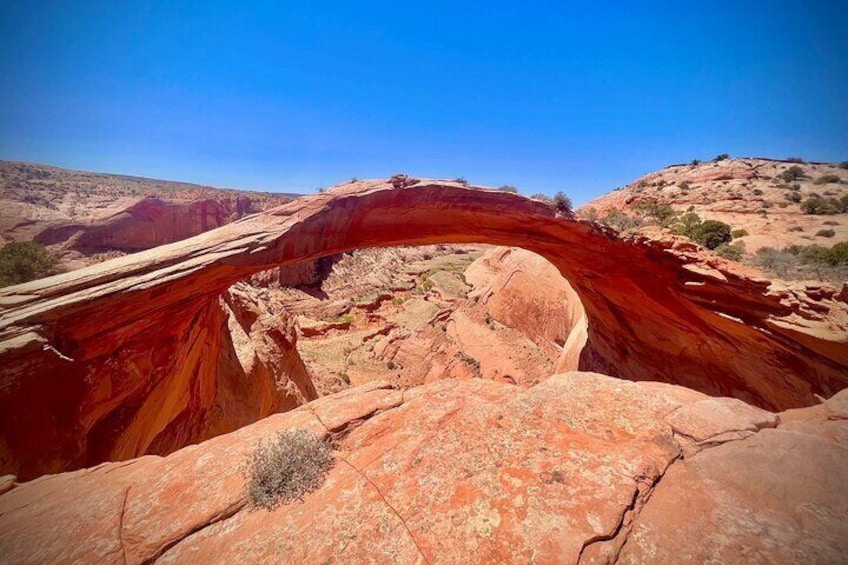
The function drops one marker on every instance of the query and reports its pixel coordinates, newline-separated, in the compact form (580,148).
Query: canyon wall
(81,354)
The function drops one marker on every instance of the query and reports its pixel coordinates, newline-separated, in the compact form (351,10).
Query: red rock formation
(81,353)
(580,468)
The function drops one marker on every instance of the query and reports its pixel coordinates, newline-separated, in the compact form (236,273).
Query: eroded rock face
(580,468)
(81,353)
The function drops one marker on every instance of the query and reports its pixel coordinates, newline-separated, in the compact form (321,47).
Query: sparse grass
(286,468)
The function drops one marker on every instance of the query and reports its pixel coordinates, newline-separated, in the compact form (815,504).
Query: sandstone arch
(119,359)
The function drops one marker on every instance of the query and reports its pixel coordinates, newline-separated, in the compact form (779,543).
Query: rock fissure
(619,535)
(389,506)
(121,524)
(226,514)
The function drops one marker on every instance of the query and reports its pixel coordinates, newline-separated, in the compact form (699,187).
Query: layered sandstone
(81,353)
(581,468)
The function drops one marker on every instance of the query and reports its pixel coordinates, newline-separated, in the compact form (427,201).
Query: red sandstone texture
(581,468)
(83,355)
(83,217)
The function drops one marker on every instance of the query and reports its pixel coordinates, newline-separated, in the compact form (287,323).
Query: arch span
(121,359)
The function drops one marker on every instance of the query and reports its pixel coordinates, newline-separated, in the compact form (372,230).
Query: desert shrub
(796,187)
(23,261)
(722,157)
(590,213)
(818,206)
(843,165)
(508,188)
(621,221)
(733,251)
(794,160)
(562,202)
(831,223)
(540,196)
(685,185)
(838,254)
(793,197)
(686,224)
(807,254)
(696,162)
(757,192)
(711,233)
(663,214)
(286,467)
(825,179)
(774,260)
(738,233)
(796,228)
(767,205)
(391,365)
(460,180)
(792,173)
(825,233)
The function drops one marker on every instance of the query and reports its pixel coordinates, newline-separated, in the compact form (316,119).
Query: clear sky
(544,95)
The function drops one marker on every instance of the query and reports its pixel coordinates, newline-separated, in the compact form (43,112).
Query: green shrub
(540,196)
(818,206)
(792,173)
(793,197)
(825,233)
(686,224)
(825,179)
(732,251)
(23,261)
(663,214)
(696,162)
(735,234)
(287,467)
(508,188)
(562,202)
(722,157)
(711,233)
(460,180)
(838,254)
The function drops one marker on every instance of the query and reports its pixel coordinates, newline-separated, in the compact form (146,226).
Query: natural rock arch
(121,359)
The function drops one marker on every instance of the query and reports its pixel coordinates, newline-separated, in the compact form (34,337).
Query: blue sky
(547,96)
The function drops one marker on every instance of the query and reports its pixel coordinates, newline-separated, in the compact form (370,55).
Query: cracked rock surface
(579,468)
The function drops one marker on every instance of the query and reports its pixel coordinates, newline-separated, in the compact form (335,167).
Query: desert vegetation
(24,261)
(287,467)
(804,261)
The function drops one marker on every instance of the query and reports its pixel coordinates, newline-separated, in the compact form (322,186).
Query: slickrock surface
(579,468)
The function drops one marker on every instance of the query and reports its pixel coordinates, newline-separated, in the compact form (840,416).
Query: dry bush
(287,467)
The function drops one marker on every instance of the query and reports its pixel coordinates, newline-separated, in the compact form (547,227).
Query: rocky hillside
(767,203)
(83,217)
